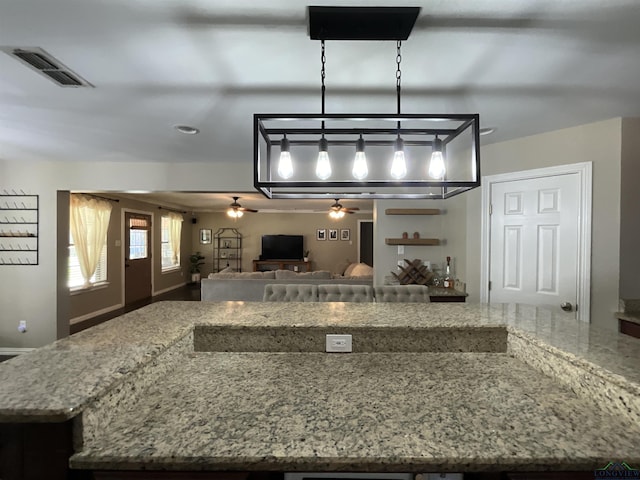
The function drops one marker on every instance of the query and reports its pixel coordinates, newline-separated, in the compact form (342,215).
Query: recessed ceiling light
(186,129)
(487,131)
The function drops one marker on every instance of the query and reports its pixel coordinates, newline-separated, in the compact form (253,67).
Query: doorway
(537,238)
(365,242)
(137,257)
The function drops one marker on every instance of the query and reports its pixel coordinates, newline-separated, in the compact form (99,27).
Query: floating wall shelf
(412,241)
(412,211)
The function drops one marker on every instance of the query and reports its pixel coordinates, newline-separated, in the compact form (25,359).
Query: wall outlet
(22,326)
(400,249)
(338,343)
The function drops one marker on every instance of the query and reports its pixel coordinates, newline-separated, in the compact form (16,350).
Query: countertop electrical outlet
(339,343)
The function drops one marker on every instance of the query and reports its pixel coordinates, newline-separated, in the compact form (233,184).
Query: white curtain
(175,231)
(89,221)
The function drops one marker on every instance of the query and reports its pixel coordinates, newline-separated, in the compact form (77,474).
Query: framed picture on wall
(205,236)
(321,234)
(333,234)
(345,234)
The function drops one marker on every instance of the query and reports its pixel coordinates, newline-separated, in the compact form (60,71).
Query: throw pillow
(362,270)
(349,269)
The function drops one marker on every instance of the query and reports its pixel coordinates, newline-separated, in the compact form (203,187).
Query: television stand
(294,265)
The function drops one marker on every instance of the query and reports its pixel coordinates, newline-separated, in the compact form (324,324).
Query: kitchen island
(246,387)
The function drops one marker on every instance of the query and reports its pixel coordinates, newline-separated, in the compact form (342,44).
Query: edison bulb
(436,165)
(285,167)
(323,167)
(360,169)
(398,165)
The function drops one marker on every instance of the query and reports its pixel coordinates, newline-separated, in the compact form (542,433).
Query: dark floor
(190,292)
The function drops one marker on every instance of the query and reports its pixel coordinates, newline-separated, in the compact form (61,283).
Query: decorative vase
(405,235)
(416,235)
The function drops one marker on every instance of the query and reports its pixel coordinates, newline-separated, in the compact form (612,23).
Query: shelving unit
(412,241)
(227,249)
(19,228)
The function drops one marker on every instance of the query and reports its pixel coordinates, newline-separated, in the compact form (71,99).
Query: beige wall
(449,227)
(84,303)
(325,255)
(599,143)
(629,210)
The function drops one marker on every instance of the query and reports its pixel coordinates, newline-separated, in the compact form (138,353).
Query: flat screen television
(282,247)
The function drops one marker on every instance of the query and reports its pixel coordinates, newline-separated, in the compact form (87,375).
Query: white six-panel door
(534,243)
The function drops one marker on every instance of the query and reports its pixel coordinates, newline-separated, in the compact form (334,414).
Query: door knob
(566,306)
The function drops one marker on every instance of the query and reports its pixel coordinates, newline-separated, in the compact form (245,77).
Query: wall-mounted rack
(19,228)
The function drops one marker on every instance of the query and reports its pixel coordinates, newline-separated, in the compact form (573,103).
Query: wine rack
(19,228)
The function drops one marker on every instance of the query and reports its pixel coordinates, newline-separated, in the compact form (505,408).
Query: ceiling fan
(236,210)
(338,211)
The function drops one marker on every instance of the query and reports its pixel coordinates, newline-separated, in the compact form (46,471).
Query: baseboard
(82,318)
(160,292)
(12,351)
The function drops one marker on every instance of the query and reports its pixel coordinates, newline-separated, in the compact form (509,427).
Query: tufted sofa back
(290,292)
(402,293)
(345,293)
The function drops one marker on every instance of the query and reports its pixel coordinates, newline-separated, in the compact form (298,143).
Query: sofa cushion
(243,275)
(290,292)
(345,293)
(291,275)
(402,293)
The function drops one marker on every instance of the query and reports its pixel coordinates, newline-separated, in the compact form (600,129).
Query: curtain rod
(172,209)
(98,196)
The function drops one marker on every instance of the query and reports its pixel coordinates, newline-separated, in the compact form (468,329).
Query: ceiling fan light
(323,167)
(360,169)
(398,165)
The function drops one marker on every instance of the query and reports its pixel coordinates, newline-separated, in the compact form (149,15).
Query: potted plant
(306,256)
(196,261)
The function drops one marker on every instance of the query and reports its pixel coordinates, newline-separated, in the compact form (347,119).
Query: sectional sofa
(249,286)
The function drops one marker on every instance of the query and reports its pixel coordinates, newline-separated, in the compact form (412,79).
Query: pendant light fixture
(398,164)
(323,166)
(436,164)
(448,143)
(285,167)
(360,169)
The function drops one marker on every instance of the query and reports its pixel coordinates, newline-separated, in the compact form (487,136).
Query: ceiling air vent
(48,66)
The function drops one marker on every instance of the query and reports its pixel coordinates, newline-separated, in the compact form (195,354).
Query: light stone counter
(122,374)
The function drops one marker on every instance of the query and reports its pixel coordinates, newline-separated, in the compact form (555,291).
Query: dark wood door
(366,243)
(137,261)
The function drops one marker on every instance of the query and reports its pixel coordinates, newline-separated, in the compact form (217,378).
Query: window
(170,241)
(75,274)
(138,237)
(88,225)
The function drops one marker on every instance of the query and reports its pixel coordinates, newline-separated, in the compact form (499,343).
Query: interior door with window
(534,241)
(137,261)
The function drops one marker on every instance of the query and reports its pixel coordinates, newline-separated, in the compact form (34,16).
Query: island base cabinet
(111,475)
(36,451)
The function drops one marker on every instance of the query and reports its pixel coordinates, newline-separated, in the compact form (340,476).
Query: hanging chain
(398,76)
(323,60)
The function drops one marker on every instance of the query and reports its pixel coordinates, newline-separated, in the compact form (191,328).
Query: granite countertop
(527,375)
(633,317)
(369,411)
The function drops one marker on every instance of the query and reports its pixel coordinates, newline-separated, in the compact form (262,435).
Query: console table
(264,265)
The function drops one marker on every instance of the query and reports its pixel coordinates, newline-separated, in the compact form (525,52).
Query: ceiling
(219,202)
(525,66)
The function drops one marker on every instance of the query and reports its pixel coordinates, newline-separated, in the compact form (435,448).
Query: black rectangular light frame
(412,189)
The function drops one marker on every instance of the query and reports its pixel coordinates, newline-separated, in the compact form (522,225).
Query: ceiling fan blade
(244,209)
(353,208)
